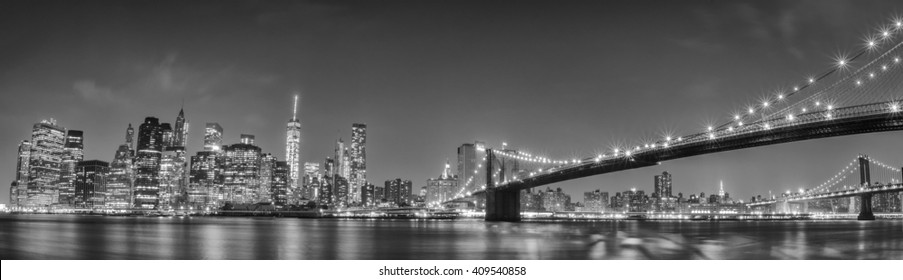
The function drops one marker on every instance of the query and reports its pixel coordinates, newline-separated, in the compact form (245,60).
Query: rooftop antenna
(295,108)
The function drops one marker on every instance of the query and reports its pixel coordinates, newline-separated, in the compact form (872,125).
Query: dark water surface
(98,237)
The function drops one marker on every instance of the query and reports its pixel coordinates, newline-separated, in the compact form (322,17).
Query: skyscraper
(206,179)
(441,189)
(180,133)
(18,191)
(129,139)
(173,174)
(468,157)
(73,152)
(168,135)
(240,172)
(45,159)
(147,164)
(91,184)
(119,181)
(280,183)
(311,180)
(340,158)
(265,175)
(358,160)
(663,185)
(398,191)
(293,146)
(213,137)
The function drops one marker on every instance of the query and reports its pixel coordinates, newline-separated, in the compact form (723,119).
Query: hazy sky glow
(558,78)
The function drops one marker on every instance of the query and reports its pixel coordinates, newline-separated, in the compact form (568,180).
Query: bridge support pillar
(502,205)
(865,208)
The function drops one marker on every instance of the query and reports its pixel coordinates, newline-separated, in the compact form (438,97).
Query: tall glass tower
(73,152)
(293,146)
(147,163)
(44,164)
(358,160)
(180,135)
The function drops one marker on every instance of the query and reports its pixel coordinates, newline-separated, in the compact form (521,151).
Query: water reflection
(95,237)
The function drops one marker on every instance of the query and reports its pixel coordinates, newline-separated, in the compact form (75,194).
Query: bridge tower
(865,200)
(501,205)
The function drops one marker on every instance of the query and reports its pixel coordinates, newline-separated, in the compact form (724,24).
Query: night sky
(558,78)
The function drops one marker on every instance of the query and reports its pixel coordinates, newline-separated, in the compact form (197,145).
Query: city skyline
(434,134)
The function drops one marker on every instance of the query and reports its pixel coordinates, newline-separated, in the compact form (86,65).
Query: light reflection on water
(97,237)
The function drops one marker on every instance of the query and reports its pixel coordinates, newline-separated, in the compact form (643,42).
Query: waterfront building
(280,183)
(368,195)
(555,200)
(18,191)
(325,194)
(265,174)
(45,160)
(293,146)
(398,192)
(119,181)
(240,172)
(206,179)
(595,201)
(469,157)
(91,184)
(73,152)
(147,164)
(441,189)
(213,137)
(340,192)
(174,169)
(358,161)
(311,181)
(530,201)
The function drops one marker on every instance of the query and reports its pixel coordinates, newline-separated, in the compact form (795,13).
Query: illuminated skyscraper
(45,159)
(311,180)
(663,185)
(168,135)
(119,181)
(18,191)
(147,164)
(129,139)
(358,159)
(398,191)
(180,133)
(441,189)
(293,147)
(240,173)
(213,137)
(73,152)
(91,184)
(341,161)
(280,183)
(469,156)
(206,179)
(173,176)
(265,176)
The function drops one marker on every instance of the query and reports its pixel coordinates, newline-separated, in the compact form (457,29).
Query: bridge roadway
(898,187)
(502,201)
(694,145)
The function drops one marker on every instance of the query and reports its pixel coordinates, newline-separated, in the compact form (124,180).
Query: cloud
(89,91)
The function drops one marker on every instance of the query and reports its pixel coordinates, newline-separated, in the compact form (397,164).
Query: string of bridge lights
(842,62)
(871,44)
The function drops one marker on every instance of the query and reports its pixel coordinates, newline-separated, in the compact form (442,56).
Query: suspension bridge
(874,177)
(860,93)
